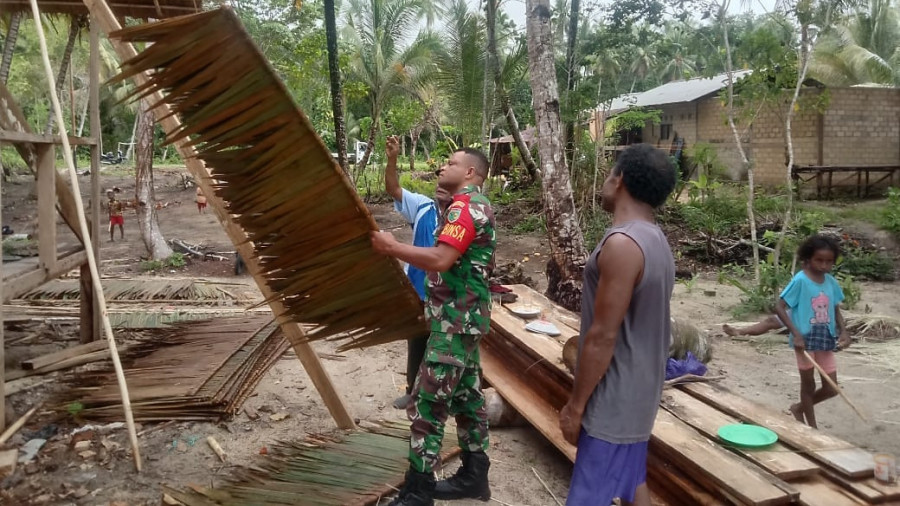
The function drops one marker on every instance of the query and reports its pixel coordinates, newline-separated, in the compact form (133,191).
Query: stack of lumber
(197,371)
(688,464)
(356,468)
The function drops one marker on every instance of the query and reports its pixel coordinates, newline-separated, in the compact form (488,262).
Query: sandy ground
(762,369)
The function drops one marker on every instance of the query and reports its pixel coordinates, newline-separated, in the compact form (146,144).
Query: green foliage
(756,298)
(417,185)
(890,215)
(529,224)
(594,225)
(176,260)
(851,289)
(75,408)
(866,264)
(152,265)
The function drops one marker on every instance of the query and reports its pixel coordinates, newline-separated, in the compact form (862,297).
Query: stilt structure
(106,19)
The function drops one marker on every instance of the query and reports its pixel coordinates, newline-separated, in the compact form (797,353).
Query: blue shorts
(604,471)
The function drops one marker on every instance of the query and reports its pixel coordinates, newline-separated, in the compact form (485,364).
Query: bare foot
(796,411)
(731,331)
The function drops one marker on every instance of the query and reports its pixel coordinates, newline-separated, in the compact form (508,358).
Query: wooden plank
(12,118)
(26,281)
(777,459)
(525,400)
(549,348)
(8,460)
(558,315)
(661,474)
(52,358)
(107,22)
(62,364)
(46,180)
(869,489)
(698,456)
(819,491)
(835,453)
(17,136)
(94,125)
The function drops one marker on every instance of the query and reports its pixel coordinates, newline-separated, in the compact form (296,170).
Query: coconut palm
(377,30)
(460,70)
(679,63)
(864,48)
(9,44)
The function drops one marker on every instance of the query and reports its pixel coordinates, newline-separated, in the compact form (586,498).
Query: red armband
(459,230)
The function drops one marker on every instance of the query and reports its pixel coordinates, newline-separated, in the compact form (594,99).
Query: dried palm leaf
(137,289)
(873,327)
(196,371)
(354,468)
(308,227)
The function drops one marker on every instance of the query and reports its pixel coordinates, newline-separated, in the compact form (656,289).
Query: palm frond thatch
(142,9)
(197,371)
(308,227)
(355,468)
(137,289)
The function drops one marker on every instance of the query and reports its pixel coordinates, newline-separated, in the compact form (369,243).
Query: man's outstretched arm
(438,258)
(391,177)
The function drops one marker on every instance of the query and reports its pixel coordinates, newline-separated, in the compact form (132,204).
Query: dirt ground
(762,369)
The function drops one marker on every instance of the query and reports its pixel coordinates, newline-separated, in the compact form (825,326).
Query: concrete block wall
(862,126)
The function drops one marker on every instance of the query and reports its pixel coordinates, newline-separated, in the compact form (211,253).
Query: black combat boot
(470,480)
(417,491)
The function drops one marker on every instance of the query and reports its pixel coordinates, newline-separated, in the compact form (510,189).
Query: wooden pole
(46,182)
(79,207)
(16,426)
(103,15)
(827,379)
(96,133)
(2,343)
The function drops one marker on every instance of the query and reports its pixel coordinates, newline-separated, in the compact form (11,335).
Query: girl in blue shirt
(813,298)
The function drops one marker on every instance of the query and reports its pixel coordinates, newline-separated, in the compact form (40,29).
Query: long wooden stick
(92,261)
(827,378)
(17,425)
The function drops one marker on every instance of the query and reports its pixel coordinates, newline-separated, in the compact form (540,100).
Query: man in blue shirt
(421,212)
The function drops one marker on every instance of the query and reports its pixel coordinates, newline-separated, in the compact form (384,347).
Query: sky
(515,9)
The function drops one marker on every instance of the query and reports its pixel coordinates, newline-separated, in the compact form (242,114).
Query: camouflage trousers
(448,383)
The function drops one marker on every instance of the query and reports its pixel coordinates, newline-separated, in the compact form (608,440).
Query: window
(665,132)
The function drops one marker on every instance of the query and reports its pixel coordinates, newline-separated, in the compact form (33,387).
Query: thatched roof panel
(309,229)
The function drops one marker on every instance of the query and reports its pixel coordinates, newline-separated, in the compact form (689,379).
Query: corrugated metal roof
(675,92)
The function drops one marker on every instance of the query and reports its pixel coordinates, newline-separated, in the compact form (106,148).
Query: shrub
(866,264)
(890,215)
(529,224)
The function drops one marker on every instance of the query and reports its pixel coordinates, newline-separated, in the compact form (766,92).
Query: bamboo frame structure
(53,193)
(92,261)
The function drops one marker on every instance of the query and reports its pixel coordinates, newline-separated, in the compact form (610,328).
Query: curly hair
(647,173)
(814,243)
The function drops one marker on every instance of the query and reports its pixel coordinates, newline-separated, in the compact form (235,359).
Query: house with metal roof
(858,131)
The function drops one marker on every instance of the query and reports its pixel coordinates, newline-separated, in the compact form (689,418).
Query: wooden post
(91,325)
(820,138)
(2,340)
(106,20)
(46,192)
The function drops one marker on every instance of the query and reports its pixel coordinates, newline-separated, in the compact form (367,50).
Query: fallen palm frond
(873,327)
(309,229)
(137,289)
(357,468)
(196,371)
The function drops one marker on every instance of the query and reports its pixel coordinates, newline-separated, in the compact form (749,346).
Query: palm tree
(9,44)
(334,74)
(864,48)
(460,71)
(377,29)
(642,64)
(679,64)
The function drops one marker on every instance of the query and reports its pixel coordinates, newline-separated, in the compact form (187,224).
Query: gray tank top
(623,407)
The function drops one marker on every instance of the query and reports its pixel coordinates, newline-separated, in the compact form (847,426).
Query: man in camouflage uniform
(458,310)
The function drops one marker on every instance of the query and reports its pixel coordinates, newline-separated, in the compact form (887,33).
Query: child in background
(201,201)
(813,297)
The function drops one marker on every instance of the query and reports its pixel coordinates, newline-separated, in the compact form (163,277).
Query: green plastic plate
(747,435)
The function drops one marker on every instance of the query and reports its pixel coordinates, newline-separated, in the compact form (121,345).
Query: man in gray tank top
(625,335)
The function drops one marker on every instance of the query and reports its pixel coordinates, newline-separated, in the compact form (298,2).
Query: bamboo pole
(18,425)
(92,262)
(827,378)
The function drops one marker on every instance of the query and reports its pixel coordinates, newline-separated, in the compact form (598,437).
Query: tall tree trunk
(148,221)
(570,79)
(9,45)
(337,96)
(370,145)
(511,121)
(806,45)
(74,27)
(745,161)
(567,252)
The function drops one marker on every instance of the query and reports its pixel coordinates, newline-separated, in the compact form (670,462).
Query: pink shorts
(825,359)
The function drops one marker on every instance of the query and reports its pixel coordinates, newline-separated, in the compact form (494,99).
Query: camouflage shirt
(458,301)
